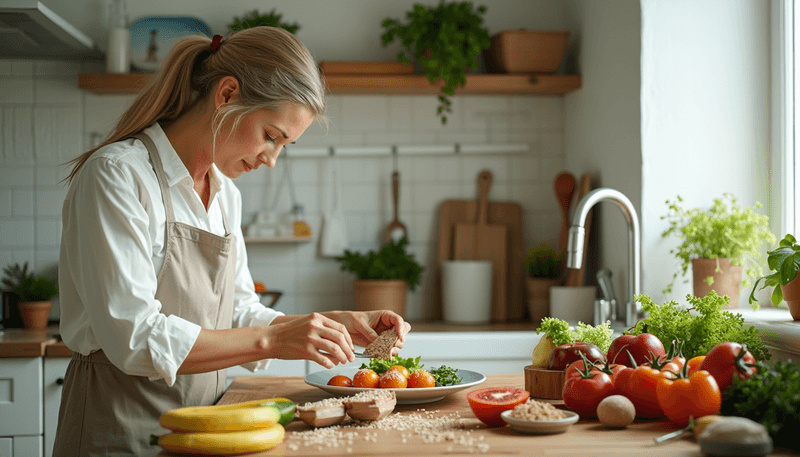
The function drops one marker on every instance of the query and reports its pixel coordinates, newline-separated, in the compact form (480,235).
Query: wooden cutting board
(508,214)
(576,277)
(480,240)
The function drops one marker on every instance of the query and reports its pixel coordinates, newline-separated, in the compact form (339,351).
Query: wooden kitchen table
(585,438)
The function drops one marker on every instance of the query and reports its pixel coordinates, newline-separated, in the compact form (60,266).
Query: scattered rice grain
(535,410)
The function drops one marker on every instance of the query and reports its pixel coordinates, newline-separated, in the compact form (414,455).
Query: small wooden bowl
(542,383)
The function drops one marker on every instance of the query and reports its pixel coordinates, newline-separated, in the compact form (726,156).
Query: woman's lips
(247,166)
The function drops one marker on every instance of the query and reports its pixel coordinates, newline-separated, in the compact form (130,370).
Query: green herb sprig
(701,330)
(390,262)
(446,376)
(772,398)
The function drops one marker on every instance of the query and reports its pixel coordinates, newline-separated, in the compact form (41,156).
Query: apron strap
(159,168)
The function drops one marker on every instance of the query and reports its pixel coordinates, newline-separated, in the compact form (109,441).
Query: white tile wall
(45,121)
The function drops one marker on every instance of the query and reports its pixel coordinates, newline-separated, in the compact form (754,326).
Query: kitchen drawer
(21,396)
(54,370)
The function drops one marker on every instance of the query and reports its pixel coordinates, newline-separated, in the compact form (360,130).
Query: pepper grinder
(119,38)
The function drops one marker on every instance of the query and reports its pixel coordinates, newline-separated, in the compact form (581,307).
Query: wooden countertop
(587,437)
(16,342)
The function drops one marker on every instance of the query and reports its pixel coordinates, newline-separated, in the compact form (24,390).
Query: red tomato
(726,360)
(488,403)
(611,369)
(340,381)
(366,378)
(583,393)
(684,398)
(640,346)
(640,385)
(565,354)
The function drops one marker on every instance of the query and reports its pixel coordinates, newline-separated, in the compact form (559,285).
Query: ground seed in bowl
(381,348)
(534,410)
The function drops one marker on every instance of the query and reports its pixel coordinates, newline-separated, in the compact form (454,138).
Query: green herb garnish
(557,329)
(446,376)
(701,330)
(382,365)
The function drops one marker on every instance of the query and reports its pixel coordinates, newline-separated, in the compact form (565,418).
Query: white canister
(573,304)
(467,291)
(119,43)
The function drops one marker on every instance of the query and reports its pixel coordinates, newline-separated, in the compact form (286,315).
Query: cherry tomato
(726,360)
(421,378)
(340,381)
(583,393)
(640,346)
(488,403)
(563,355)
(366,378)
(403,370)
(393,379)
(684,398)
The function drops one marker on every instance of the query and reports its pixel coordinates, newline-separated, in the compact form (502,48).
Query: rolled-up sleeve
(109,256)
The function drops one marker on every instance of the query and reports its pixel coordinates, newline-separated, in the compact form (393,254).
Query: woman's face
(259,138)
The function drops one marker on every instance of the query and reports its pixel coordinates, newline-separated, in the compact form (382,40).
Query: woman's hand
(312,337)
(365,326)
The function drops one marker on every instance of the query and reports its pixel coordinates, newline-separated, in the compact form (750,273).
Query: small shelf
(277,239)
(477,84)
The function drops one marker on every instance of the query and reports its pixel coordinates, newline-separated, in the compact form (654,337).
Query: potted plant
(720,243)
(784,261)
(383,276)
(543,264)
(444,40)
(254,19)
(34,294)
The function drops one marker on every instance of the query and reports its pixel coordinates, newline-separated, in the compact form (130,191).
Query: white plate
(404,396)
(540,427)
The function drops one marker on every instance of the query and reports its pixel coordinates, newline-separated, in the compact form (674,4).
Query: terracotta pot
(377,294)
(791,295)
(35,313)
(727,281)
(539,297)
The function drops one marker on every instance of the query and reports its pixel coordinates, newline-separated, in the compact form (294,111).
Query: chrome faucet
(577,235)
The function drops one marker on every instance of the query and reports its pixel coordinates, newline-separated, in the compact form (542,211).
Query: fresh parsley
(560,333)
(446,376)
(382,365)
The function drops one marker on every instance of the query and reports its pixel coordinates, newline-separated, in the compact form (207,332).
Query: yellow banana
(219,418)
(221,443)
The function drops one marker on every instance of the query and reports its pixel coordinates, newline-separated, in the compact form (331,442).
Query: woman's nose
(267,160)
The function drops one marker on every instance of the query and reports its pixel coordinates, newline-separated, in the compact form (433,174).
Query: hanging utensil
(396,225)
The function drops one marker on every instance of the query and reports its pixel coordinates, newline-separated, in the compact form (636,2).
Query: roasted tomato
(403,370)
(488,403)
(340,381)
(421,378)
(393,379)
(641,347)
(366,378)
(726,360)
(565,354)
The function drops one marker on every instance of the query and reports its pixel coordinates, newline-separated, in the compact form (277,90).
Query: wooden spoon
(395,224)
(564,187)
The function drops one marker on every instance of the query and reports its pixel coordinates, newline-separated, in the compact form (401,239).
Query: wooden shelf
(478,84)
(277,239)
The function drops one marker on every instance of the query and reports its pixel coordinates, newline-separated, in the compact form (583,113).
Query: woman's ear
(227,90)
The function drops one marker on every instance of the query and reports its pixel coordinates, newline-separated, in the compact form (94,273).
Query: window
(785,172)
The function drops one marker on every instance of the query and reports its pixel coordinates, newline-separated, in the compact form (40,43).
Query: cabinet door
(54,369)
(6,447)
(28,446)
(21,396)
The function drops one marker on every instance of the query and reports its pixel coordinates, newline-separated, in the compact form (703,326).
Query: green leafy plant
(785,262)
(390,262)
(724,231)
(543,261)
(560,332)
(27,286)
(254,19)
(444,40)
(699,328)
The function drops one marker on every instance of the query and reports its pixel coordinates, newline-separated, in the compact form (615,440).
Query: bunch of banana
(226,429)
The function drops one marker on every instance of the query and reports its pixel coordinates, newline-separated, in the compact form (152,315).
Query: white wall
(602,126)
(46,120)
(705,116)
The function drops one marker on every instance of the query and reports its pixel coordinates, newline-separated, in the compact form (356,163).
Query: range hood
(30,30)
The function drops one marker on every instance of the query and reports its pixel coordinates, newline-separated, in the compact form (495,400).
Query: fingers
(336,340)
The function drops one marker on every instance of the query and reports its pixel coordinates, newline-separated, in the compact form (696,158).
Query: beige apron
(107,412)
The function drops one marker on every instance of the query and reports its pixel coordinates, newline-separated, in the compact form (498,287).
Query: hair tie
(215,42)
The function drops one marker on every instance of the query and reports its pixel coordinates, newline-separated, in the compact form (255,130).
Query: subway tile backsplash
(45,120)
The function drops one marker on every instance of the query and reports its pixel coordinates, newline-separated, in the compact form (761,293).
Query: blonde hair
(271,65)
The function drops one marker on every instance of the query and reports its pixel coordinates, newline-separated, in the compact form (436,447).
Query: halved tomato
(488,403)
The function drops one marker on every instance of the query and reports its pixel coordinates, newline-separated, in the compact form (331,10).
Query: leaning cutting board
(508,214)
(479,240)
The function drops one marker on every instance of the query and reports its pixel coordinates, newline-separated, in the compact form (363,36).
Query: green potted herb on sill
(784,261)
(255,19)
(720,243)
(383,276)
(444,40)
(543,264)
(34,294)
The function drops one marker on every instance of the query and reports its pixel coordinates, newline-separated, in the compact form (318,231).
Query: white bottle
(119,38)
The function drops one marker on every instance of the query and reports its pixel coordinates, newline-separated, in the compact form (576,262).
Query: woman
(156,297)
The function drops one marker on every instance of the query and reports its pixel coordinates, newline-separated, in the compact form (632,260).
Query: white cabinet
(54,370)
(21,422)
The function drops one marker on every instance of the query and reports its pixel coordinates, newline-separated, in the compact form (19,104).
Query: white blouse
(112,247)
